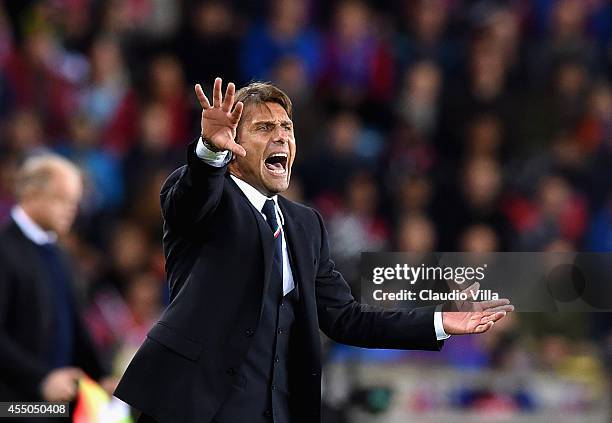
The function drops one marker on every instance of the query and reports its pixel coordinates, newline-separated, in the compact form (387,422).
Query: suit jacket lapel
(302,267)
(265,234)
(295,238)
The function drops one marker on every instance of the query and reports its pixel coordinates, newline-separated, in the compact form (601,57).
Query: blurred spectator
(502,24)
(153,151)
(479,239)
(128,246)
(413,195)
(567,40)
(8,169)
(358,66)
(144,207)
(600,232)
(102,171)
(557,212)
(571,79)
(416,234)
(423,35)
(485,138)
(141,20)
(595,128)
(167,89)
(108,82)
(25,133)
(120,323)
(478,201)
(290,75)
(554,107)
(483,91)
(107,97)
(408,153)
(286,33)
(602,31)
(212,29)
(6,37)
(34,73)
(356,227)
(419,97)
(44,346)
(143,300)
(327,173)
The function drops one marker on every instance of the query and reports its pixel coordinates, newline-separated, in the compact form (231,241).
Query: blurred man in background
(44,347)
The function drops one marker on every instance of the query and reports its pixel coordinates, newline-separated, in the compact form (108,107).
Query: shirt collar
(256,198)
(31,229)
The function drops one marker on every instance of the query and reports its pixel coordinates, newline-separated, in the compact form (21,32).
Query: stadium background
(435,125)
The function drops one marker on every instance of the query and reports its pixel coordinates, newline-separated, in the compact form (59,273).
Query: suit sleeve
(347,321)
(19,368)
(192,192)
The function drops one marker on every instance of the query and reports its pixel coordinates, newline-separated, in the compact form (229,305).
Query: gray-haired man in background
(44,347)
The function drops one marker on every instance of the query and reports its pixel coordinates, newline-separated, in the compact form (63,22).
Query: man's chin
(277,187)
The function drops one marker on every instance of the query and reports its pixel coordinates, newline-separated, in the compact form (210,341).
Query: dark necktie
(276,277)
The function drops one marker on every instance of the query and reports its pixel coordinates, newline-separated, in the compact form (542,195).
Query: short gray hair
(36,172)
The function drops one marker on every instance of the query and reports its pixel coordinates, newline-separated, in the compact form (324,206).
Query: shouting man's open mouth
(276,163)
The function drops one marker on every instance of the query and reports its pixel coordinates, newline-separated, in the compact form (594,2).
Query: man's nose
(280,136)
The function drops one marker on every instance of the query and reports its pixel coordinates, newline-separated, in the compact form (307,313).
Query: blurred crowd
(421,125)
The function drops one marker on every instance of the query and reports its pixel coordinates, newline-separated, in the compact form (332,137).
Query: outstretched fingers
(202,97)
(485,305)
(228,101)
(217,98)
(488,320)
(491,310)
(237,113)
(223,114)
(484,327)
(492,318)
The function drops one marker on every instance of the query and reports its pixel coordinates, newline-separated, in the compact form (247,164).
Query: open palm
(219,121)
(466,317)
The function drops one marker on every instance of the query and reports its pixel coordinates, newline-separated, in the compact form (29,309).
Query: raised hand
(219,121)
(466,317)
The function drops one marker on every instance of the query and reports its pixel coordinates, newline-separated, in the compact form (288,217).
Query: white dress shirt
(220,159)
(31,229)
(258,200)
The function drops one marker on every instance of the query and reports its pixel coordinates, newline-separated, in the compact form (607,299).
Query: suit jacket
(25,318)
(219,253)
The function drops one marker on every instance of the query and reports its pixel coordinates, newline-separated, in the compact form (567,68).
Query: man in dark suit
(44,347)
(251,282)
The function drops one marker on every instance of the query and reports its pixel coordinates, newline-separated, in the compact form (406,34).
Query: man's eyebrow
(282,122)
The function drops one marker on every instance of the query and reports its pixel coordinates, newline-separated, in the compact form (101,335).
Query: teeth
(279,155)
(276,171)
